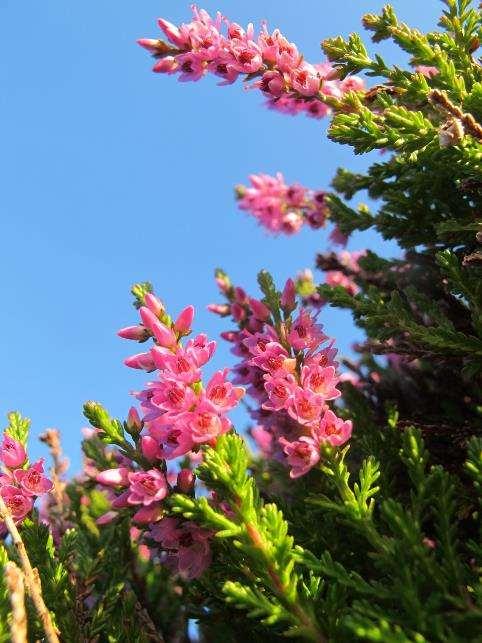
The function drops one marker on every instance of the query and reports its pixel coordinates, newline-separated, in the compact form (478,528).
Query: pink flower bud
(154,304)
(151,44)
(164,335)
(166,65)
(12,453)
(220,309)
(106,518)
(113,477)
(185,480)
(184,322)
(134,422)
(149,448)
(260,310)
(288,298)
(138,333)
(142,361)
(171,32)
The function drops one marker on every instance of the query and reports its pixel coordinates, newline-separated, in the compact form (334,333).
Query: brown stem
(14,582)
(32,579)
(440,100)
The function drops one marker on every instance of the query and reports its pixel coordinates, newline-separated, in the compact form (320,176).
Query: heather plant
(350,509)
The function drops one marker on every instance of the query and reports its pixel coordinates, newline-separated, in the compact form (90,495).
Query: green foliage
(18,427)
(382,541)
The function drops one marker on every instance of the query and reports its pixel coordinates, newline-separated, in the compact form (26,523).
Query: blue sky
(111,174)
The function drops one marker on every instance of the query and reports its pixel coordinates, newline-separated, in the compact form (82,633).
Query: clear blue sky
(111,174)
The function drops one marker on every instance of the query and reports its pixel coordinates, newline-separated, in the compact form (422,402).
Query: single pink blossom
(305,407)
(146,487)
(32,481)
(17,501)
(221,393)
(305,333)
(302,455)
(333,429)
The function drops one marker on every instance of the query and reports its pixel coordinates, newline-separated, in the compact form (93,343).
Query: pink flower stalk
(291,374)
(178,413)
(223,48)
(20,486)
(280,207)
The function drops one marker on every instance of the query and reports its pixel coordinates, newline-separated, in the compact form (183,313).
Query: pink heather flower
(32,481)
(273,359)
(191,66)
(148,513)
(205,424)
(333,429)
(138,333)
(292,222)
(337,237)
(305,406)
(146,487)
(183,323)
(143,361)
(200,349)
(17,501)
(321,381)
(114,477)
(272,83)
(172,395)
(12,453)
(164,335)
(305,333)
(302,455)
(281,390)
(246,57)
(337,278)
(221,393)
(305,80)
(181,365)
(187,544)
(174,441)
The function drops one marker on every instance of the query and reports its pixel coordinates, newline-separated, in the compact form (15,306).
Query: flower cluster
(349,261)
(223,48)
(20,483)
(280,207)
(290,372)
(178,415)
